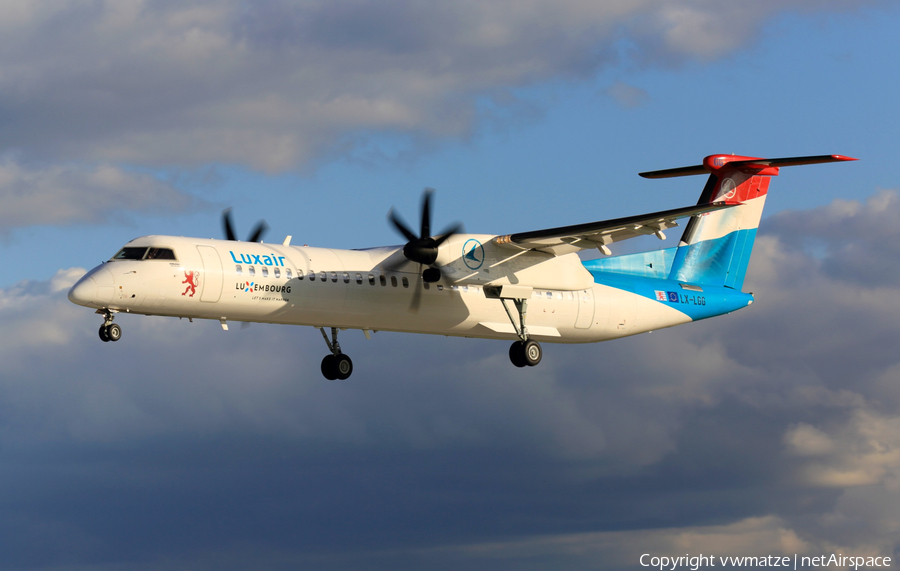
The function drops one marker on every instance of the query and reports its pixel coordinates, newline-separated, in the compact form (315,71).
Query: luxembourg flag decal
(660,295)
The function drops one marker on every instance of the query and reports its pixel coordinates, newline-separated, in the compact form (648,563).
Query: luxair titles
(260,260)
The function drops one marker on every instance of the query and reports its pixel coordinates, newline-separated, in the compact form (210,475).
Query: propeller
(255,236)
(422,248)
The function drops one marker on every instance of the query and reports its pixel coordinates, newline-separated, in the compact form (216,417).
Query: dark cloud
(274,84)
(855,242)
(774,430)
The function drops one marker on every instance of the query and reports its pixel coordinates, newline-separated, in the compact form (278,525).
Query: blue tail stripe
(720,262)
(652,264)
(742,251)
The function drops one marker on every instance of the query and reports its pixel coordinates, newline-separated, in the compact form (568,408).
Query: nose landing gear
(337,365)
(109,331)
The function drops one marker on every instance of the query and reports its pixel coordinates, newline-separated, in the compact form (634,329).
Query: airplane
(529,287)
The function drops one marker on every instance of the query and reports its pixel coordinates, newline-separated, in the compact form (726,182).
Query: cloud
(57,194)
(275,85)
(773,430)
(623,549)
(627,96)
(858,238)
(863,451)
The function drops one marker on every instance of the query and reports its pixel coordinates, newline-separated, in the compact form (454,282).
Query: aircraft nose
(84,291)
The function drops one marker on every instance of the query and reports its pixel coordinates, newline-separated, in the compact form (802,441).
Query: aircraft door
(585,309)
(211,281)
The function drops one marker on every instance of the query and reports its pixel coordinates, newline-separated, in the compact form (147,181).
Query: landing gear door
(585,309)
(211,281)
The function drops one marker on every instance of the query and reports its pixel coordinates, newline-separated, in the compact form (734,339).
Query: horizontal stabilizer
(739,163)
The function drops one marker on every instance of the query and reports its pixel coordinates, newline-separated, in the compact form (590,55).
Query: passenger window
(440,287)
(334,277)
(371,279)
(394,281)
(265,272)
(312,275)
(571,296)
(160,254)
(346,278)
(405,281)
(238,269)
(277,272)
(427,285)
(382,279)
(251,270)
(549,295)
(323,276)
(359,279)
(287,273)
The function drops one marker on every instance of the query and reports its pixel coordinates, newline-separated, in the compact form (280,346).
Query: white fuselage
(361,289)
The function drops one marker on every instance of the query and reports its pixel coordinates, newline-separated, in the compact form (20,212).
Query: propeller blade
(455,229)
(422,249)
(417,294)
(226,224)
(401,226)
(258,232)
(426,213)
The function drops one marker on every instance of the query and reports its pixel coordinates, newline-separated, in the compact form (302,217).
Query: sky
(775,430)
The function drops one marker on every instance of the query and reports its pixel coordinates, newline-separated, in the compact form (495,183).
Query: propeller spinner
(423,249)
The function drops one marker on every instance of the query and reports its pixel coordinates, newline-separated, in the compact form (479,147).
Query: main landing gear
(337,365)
(525,351)
(109,331)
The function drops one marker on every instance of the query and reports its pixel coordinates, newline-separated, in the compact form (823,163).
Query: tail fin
(715,247)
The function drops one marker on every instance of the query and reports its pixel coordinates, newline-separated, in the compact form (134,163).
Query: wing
(569,239)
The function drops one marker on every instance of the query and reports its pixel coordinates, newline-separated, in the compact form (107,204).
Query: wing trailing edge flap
(568,239)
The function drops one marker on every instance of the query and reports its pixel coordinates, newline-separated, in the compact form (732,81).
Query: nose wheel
(336,366)
(109,331)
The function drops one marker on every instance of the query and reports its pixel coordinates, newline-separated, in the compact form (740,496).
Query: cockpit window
(144,253)
(160,254)
(128,253)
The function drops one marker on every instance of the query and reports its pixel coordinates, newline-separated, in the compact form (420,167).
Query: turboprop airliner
(529,287)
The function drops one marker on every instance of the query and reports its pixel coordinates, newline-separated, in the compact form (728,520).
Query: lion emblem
(192,279)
